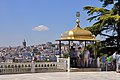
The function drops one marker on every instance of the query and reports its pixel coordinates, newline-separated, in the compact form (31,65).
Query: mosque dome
(77,33)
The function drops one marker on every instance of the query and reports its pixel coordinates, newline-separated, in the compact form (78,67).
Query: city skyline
(39,21)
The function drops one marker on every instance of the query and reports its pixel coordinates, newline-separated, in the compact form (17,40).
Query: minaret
(24,44)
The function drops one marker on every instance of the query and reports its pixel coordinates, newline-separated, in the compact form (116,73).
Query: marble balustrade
(61,63)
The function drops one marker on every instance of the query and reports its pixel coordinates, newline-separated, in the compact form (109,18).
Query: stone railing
(44,66)
(61,64)
(15,67)
(27,67)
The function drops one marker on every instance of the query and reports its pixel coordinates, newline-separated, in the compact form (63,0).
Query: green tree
(106,20)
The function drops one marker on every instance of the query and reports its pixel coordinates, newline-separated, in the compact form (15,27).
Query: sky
(39,21)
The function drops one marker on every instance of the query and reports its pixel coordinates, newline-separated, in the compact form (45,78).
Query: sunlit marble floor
(63,76)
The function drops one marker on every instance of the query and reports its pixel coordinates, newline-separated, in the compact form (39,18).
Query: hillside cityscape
(41,52)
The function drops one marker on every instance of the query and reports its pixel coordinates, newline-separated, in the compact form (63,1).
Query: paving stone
(63,76)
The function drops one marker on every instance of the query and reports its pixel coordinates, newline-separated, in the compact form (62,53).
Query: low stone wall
(15,67)
(32,67)
(27,67)
(45,67)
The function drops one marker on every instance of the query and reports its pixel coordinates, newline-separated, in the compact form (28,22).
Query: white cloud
(40,28)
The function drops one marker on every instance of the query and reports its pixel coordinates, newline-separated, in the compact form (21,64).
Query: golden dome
(77,33)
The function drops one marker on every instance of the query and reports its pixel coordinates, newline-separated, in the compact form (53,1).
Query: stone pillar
(57,58)
(32,67)
(68,61)
(68,64)
(98,62)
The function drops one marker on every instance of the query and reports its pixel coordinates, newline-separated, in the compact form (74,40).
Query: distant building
(24,44)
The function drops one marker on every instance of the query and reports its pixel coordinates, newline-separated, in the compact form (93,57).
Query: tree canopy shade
(105,20)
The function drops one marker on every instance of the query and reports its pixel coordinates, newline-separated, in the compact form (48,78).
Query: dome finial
(78,14)
(77,21)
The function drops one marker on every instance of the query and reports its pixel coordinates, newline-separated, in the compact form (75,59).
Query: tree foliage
(105,20)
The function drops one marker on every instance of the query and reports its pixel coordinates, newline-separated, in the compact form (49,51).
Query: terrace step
(85,69)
